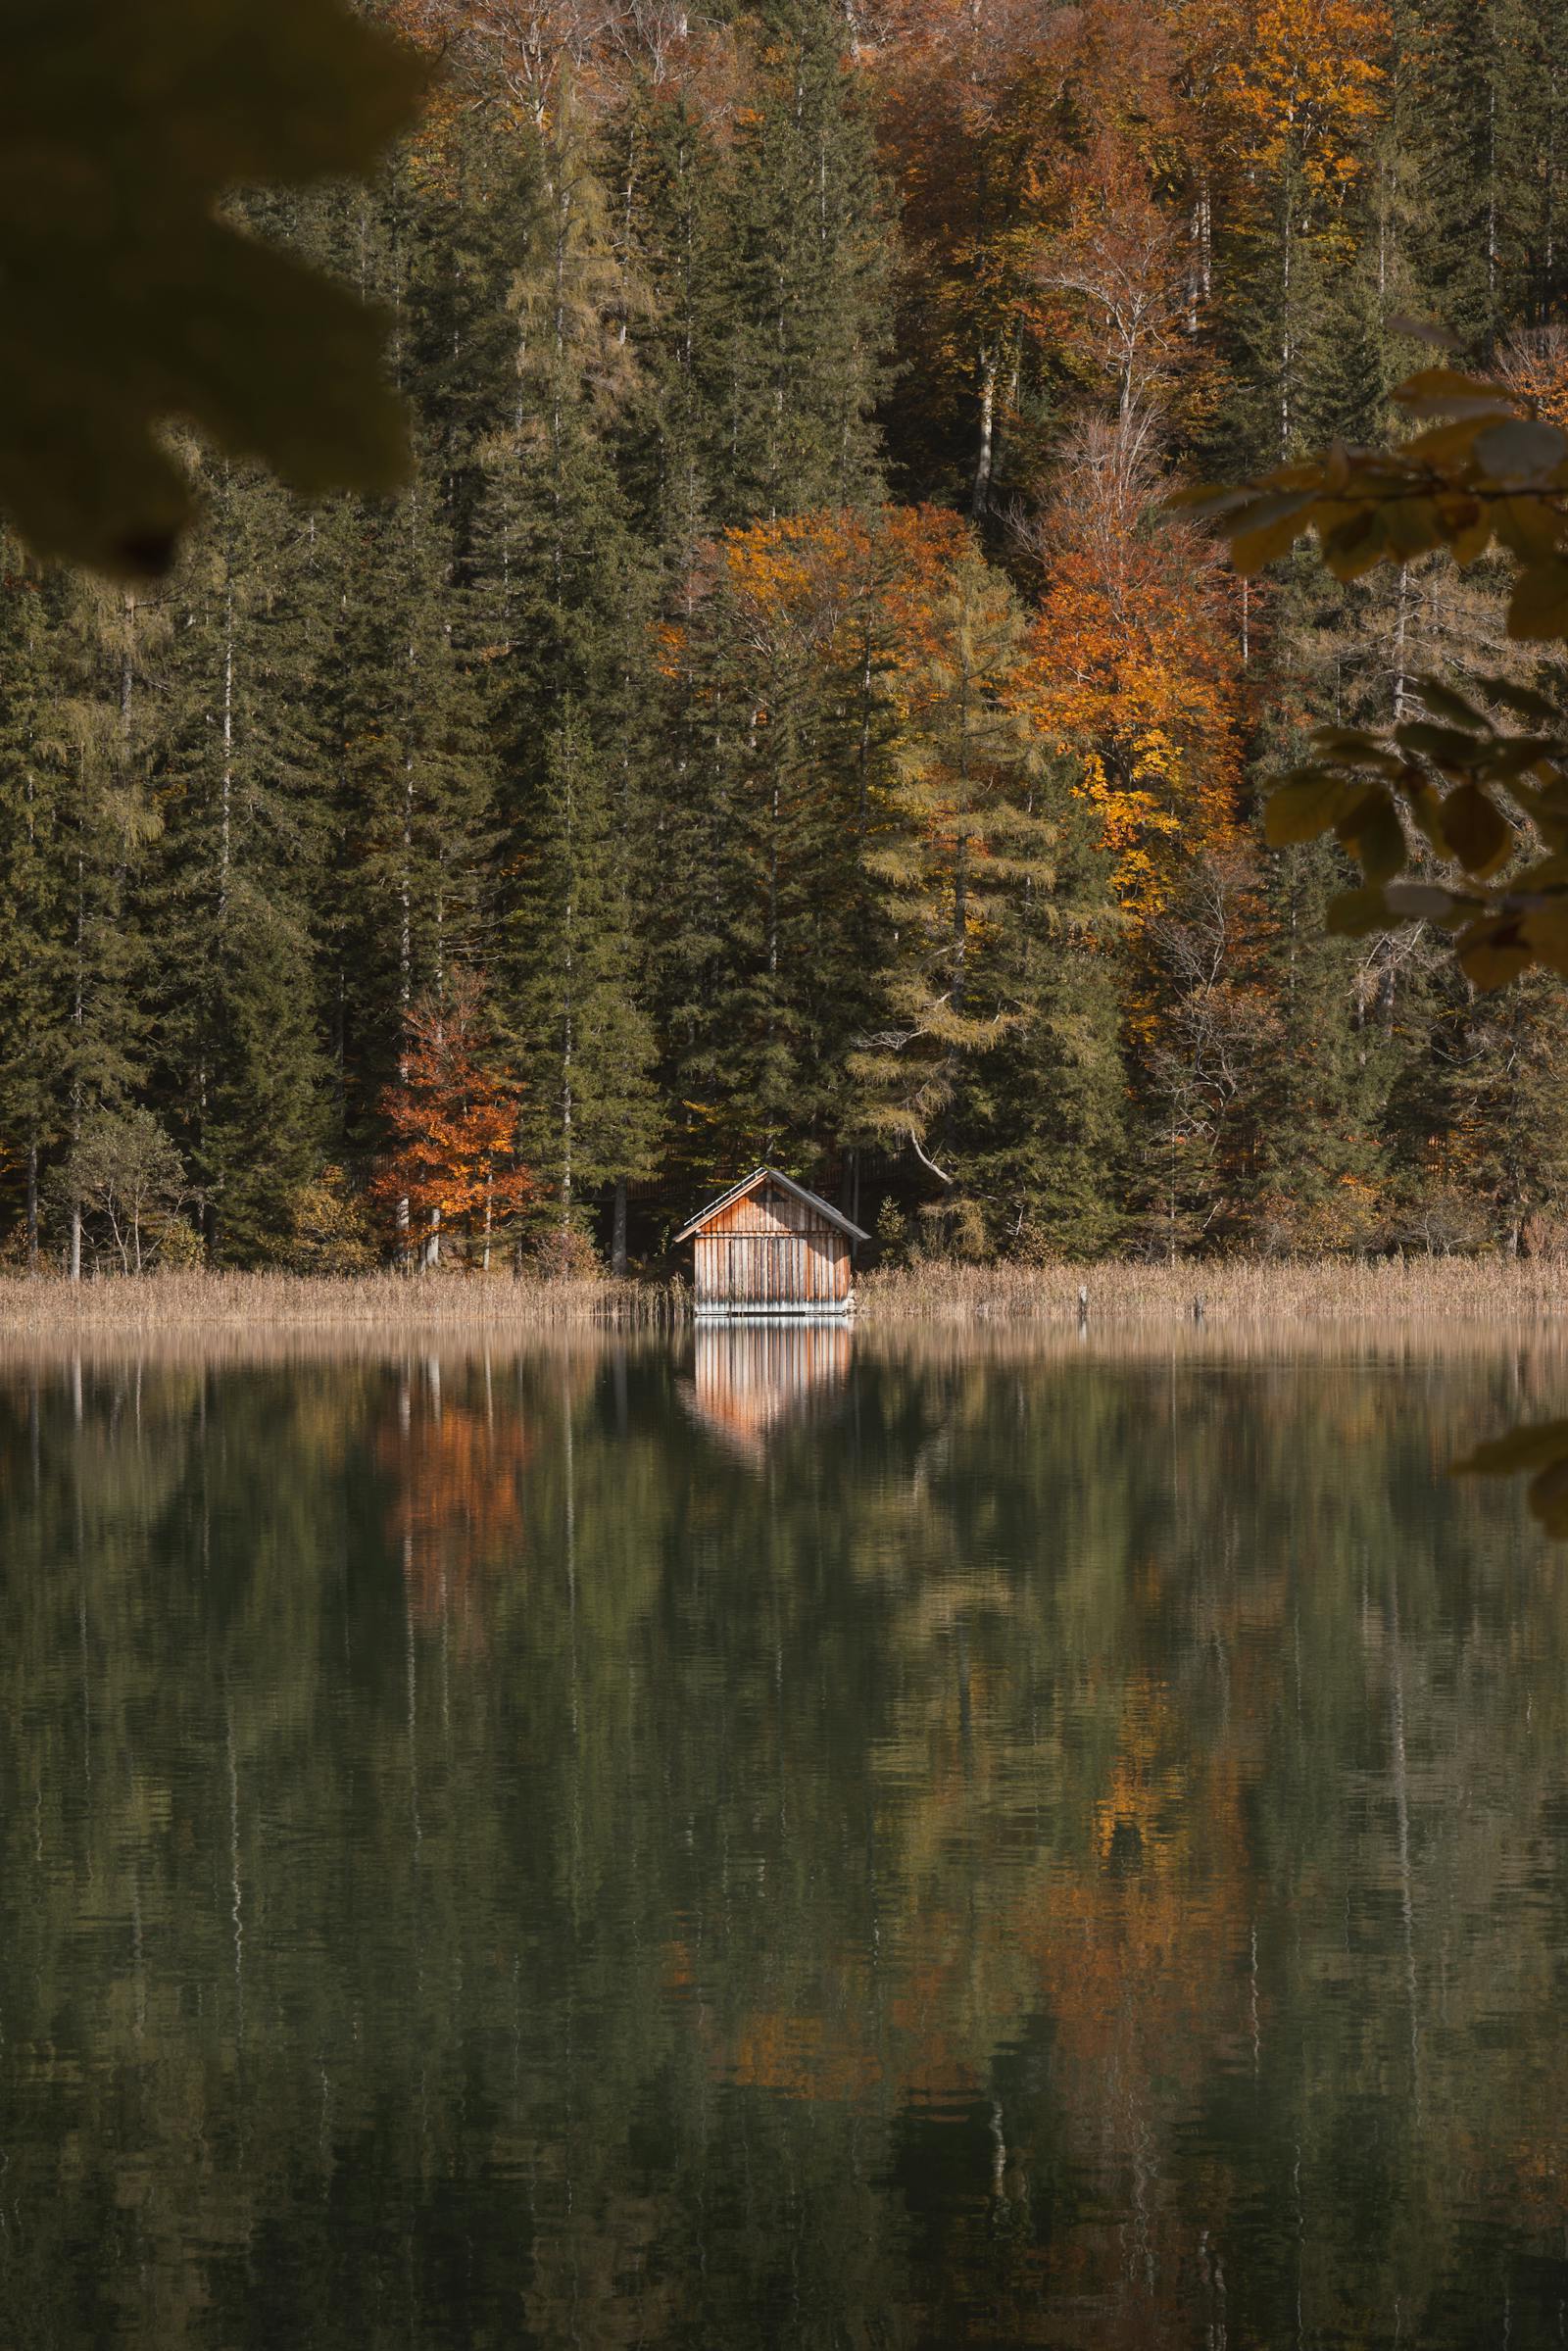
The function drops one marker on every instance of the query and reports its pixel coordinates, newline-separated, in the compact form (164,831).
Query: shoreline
(1197,1294)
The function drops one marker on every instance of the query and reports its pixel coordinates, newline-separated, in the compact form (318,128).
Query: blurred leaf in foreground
(1470,800)
(1543,1448)
(128,301)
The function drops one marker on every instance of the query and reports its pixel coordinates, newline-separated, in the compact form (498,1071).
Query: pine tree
(1045,1111)
(31,889)
(565,590)
(413,817)
(1456,242)
(76,821)
(785,684)
(669,222)
(237,874)
(803,310)
(1319,1160)
(584,1046)
(967,838)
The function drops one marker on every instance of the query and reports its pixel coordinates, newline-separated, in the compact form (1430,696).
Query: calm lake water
(790,1843)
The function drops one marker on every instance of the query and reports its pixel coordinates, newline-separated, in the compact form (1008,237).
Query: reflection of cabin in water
(769,1246)
(749,1378)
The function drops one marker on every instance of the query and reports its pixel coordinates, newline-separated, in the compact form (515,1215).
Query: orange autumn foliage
(830,577)
(995,127)
(1303,81)
(1137,667)
(1534,361)
(453,1118)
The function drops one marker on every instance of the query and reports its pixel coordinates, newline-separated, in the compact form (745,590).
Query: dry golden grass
(215,1302)
(1229,1290)
(1420,1311)
(1122,1297)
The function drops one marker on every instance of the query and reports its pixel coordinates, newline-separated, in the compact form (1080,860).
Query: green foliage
(1470,798)
(582,1041)
(122,1172)
(330,1230)
(130,302)
(964,859)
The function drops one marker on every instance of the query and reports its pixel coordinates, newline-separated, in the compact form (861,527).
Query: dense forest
(781,719)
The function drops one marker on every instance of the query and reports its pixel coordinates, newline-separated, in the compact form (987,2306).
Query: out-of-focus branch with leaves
(1458,817)
(129,302)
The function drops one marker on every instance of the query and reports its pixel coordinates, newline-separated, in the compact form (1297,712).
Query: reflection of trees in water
(455,1468)
(1054,1852)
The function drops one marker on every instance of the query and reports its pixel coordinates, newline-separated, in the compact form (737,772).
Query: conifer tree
(668,177)
(31,889)
(584,1046)
(77,821)
(406,885)
(966,839)
(236,876)
(565,590)
(1045,1107)
(780,765)
(1318,1113)
(804,305)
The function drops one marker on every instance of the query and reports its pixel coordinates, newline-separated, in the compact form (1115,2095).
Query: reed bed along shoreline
(1216,1293)
(1226,1290)
(199,1302)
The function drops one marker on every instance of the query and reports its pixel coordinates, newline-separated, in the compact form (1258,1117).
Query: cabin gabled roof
(767,1175)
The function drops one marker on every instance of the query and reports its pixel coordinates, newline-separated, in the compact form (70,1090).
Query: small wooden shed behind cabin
(769,1246)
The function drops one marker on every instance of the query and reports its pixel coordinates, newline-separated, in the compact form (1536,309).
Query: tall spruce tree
(968,845)
(565,588)
(32,888)
(414,814)
(584,1048)
(804,305)
(1045,1111)
(237,873)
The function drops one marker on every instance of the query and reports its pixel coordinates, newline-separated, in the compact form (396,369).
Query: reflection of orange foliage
(803,2055)
(456,1509)
(1139,1952)
(1135,1951)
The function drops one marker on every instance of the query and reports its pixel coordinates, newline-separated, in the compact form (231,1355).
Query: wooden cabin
(769,1246)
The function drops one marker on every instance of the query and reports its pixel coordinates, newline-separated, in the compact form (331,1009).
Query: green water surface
(884,1842)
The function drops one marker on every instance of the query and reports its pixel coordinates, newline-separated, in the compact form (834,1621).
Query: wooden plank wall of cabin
(770,1249)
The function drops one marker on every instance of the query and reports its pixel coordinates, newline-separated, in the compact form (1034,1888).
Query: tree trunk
(1401,617)
(618,1236)
(33,1203)
(985,456)
(76,1241)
